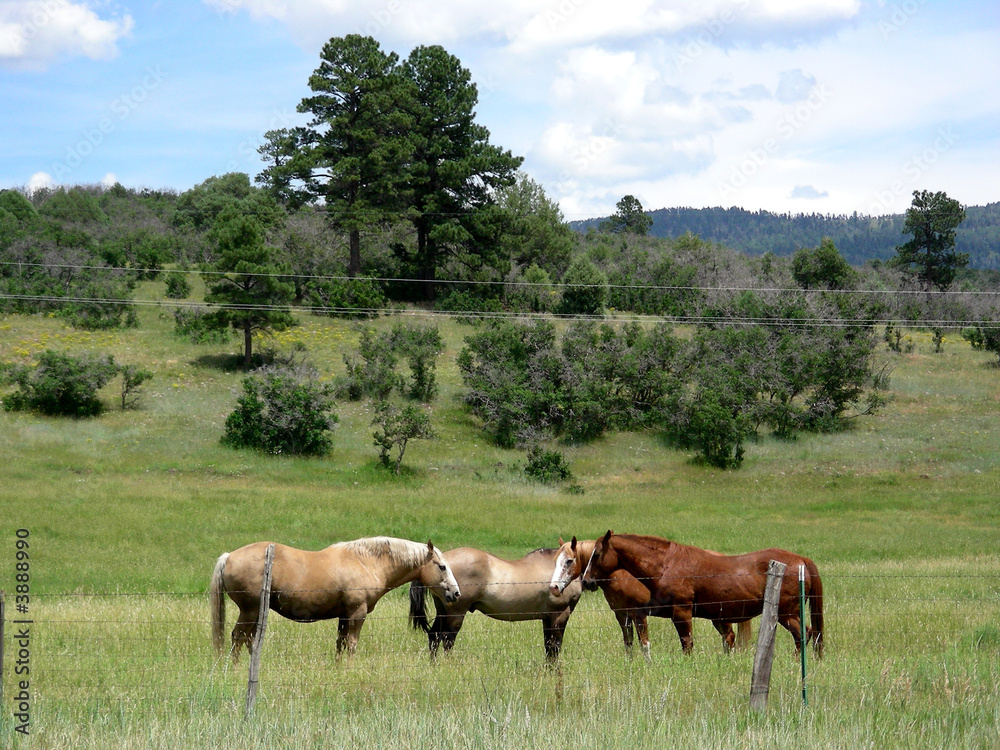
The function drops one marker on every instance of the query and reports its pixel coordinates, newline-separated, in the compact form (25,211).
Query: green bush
(396,427)
(360,297)
(547,466)
(478,308)
(585,289)
(374,374)
(985,336)
(133,377)
(198,325)
(61,385)
(421,345)
(178,286)
(283,410)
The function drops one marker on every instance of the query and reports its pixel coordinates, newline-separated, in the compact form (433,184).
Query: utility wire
(551,285)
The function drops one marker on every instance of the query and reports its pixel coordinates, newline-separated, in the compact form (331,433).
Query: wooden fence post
(804,629)
(760,683)
(258,637)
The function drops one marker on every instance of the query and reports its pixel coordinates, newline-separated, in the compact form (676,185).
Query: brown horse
(345,581)
(629,598)
(509,590)
(690,582)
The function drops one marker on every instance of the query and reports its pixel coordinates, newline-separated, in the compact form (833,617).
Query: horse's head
(436,574)
(603,562)
(567,567)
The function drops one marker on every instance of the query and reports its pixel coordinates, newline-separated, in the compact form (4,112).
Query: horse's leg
(743,636)
(341,635)
(553,629)
(625,623)
(728,636)
(681,617)
(792,625)
(243,631)
(348,630)
(642,630)
(450,625)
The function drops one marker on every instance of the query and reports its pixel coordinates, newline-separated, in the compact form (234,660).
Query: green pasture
(127,513)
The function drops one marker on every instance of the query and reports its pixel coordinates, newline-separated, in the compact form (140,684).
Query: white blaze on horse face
(449,584)
(562,574)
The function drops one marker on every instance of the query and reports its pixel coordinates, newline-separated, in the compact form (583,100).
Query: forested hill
(858,238)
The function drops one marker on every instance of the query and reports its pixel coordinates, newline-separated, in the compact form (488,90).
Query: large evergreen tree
(454,170)
(932,220)
(252,295)
(629,218)
(352,156)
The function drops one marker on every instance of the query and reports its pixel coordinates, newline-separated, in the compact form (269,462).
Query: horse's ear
(572,545)
(561,541)
(607,537)
(430,546)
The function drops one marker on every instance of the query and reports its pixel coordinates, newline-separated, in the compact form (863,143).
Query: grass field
(128,512)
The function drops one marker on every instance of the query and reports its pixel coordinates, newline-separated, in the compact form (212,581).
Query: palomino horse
(345,580)
(689,582)
(629,598)
(502,589)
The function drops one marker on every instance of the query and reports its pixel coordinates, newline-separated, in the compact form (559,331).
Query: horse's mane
(398,550)
(540,550)
(653,544)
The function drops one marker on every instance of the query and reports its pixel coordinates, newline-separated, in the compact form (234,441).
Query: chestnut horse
(690,582)
(509,590)
(345,581)
(628,598)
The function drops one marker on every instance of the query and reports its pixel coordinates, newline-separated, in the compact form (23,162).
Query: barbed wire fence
(120,652)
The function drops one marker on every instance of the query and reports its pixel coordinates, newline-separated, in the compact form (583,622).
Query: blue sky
(828,106)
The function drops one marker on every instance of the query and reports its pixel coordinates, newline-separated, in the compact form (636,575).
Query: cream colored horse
(343,581)
(628,597)
(510,590)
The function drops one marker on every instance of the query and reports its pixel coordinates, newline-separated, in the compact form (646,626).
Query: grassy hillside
(128,512)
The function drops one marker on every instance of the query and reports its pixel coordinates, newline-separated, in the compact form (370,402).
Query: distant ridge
(858,238)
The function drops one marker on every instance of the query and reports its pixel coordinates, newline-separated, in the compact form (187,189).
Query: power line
(548,285)
(823,322)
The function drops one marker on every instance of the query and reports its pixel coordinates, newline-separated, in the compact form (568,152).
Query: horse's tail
(815,608)
(743,635)
(418,613)
(217,601)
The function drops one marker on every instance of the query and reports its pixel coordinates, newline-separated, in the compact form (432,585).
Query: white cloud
(33,33)
(109,179)
(808,192)
(529,26)
(40,181)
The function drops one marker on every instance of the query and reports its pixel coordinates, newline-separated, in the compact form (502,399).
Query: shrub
(360,297)
(199,326)
(375,373)
(396,427)
(421,346)
(61,385)
(132,379)
(586,289)
(547,466)
(283,410)
(178,286)
(479,308)
(985,336)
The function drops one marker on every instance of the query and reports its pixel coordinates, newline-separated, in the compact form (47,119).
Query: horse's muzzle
(590,585)
(555,590)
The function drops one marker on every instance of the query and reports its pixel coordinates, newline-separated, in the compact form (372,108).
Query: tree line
(393,194)
(860,238)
